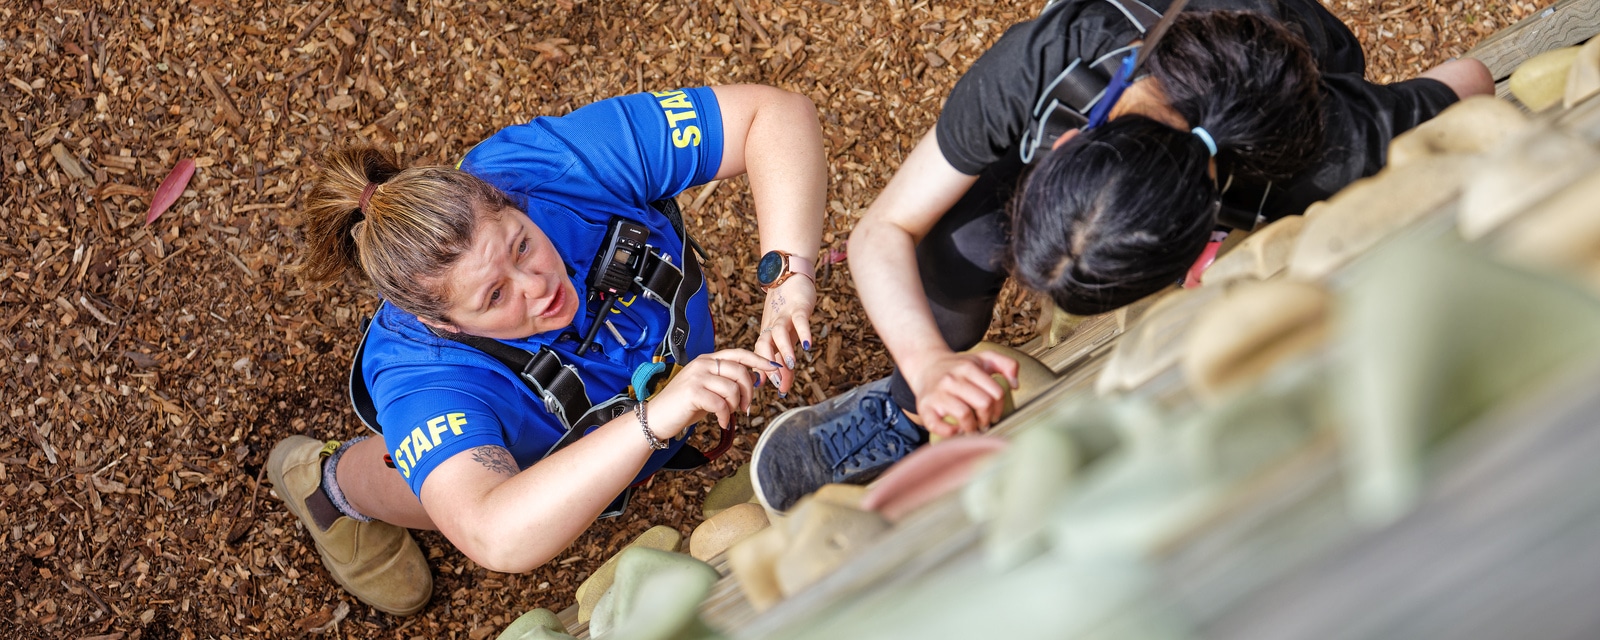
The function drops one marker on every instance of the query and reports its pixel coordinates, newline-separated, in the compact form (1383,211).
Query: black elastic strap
(360,397)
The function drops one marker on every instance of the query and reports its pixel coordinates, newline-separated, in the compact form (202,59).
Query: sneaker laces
(866,438)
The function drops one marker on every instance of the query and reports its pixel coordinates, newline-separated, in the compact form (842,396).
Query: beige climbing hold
(1471,126)
(1256,326)
(725,529)
(820,532)
(1370,210)
(659,537)
(1263,254)
(754,563)
(1154,342)
(729,491)
(928,474)
(1583,80)
(1057,325)
(844,495)
(821,536)
(1033,377)
(1560,233)
(1540,81)
(1520,173)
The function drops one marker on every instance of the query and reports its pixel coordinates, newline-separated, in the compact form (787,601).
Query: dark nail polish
(806,344)
(775,364)
(782,394)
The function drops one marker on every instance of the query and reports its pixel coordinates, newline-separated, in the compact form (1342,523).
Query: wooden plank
(1567,23)
(1091,335)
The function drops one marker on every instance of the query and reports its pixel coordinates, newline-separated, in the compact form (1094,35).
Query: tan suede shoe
(376,562)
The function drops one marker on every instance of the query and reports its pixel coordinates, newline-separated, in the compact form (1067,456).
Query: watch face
(770,268)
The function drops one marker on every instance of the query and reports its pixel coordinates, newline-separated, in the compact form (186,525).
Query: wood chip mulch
(151,368)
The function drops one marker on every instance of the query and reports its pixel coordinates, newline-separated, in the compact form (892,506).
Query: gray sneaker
(847,439)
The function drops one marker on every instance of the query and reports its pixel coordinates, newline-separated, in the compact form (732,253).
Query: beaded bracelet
(644,424)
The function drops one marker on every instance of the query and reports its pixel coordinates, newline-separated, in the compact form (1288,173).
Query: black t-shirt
(991,106)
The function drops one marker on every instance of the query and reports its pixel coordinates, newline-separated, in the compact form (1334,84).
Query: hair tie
(1205,136)
(366,195)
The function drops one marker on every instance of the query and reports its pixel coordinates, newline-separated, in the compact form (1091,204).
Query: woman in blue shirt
(498,252)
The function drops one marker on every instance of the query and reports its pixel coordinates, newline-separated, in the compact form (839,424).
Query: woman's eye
(523,247)
(494,296)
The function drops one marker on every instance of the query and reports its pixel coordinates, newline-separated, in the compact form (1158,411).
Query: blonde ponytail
(415,225)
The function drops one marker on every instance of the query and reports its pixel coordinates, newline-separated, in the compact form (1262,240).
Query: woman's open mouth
(558,302)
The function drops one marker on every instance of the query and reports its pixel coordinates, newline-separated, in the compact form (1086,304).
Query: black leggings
(962,264)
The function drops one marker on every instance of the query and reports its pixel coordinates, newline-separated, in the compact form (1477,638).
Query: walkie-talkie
(613,269)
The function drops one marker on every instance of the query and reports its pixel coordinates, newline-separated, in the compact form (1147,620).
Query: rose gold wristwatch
(778,266)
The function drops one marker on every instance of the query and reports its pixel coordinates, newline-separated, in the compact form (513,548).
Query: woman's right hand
(957,393)
(718,383)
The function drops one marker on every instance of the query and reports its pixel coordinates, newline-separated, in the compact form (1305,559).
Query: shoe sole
(755,459)
(278,487)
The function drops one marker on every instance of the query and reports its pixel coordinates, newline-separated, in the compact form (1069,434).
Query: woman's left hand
(786,322)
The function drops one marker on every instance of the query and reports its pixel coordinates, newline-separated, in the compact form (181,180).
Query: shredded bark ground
(153,367)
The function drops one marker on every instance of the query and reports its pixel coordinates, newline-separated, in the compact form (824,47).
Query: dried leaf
(550,50)
(141,360)
(315,620)
(170,189)
(338,616)
(240,528)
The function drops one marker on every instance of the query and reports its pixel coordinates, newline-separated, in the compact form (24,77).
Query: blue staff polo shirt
(571,175)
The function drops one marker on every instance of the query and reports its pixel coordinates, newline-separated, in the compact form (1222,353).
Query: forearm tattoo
(495,459)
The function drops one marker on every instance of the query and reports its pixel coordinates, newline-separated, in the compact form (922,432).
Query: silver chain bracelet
(644,424)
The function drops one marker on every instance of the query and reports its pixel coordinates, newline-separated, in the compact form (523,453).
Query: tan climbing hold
(1370,210)
(1583,80)
(1540,82)
(1058,325)
(1263,254)
(1471,126)
(1033,377)
(729,491)
(1560,233)
(1520,173)
(1256,326)
(659,537)
(754,563)
(820,532)
(1154,342)
(928,474)
(821,536)
(725,529)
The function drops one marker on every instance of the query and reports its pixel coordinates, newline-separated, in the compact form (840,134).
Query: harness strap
(1065,102)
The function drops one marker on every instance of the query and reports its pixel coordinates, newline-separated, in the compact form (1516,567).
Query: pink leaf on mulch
(836,256)
(170,189)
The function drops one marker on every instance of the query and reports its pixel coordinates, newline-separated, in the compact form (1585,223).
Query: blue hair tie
(1205,136)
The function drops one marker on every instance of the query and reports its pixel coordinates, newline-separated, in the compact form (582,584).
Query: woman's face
(511,284)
